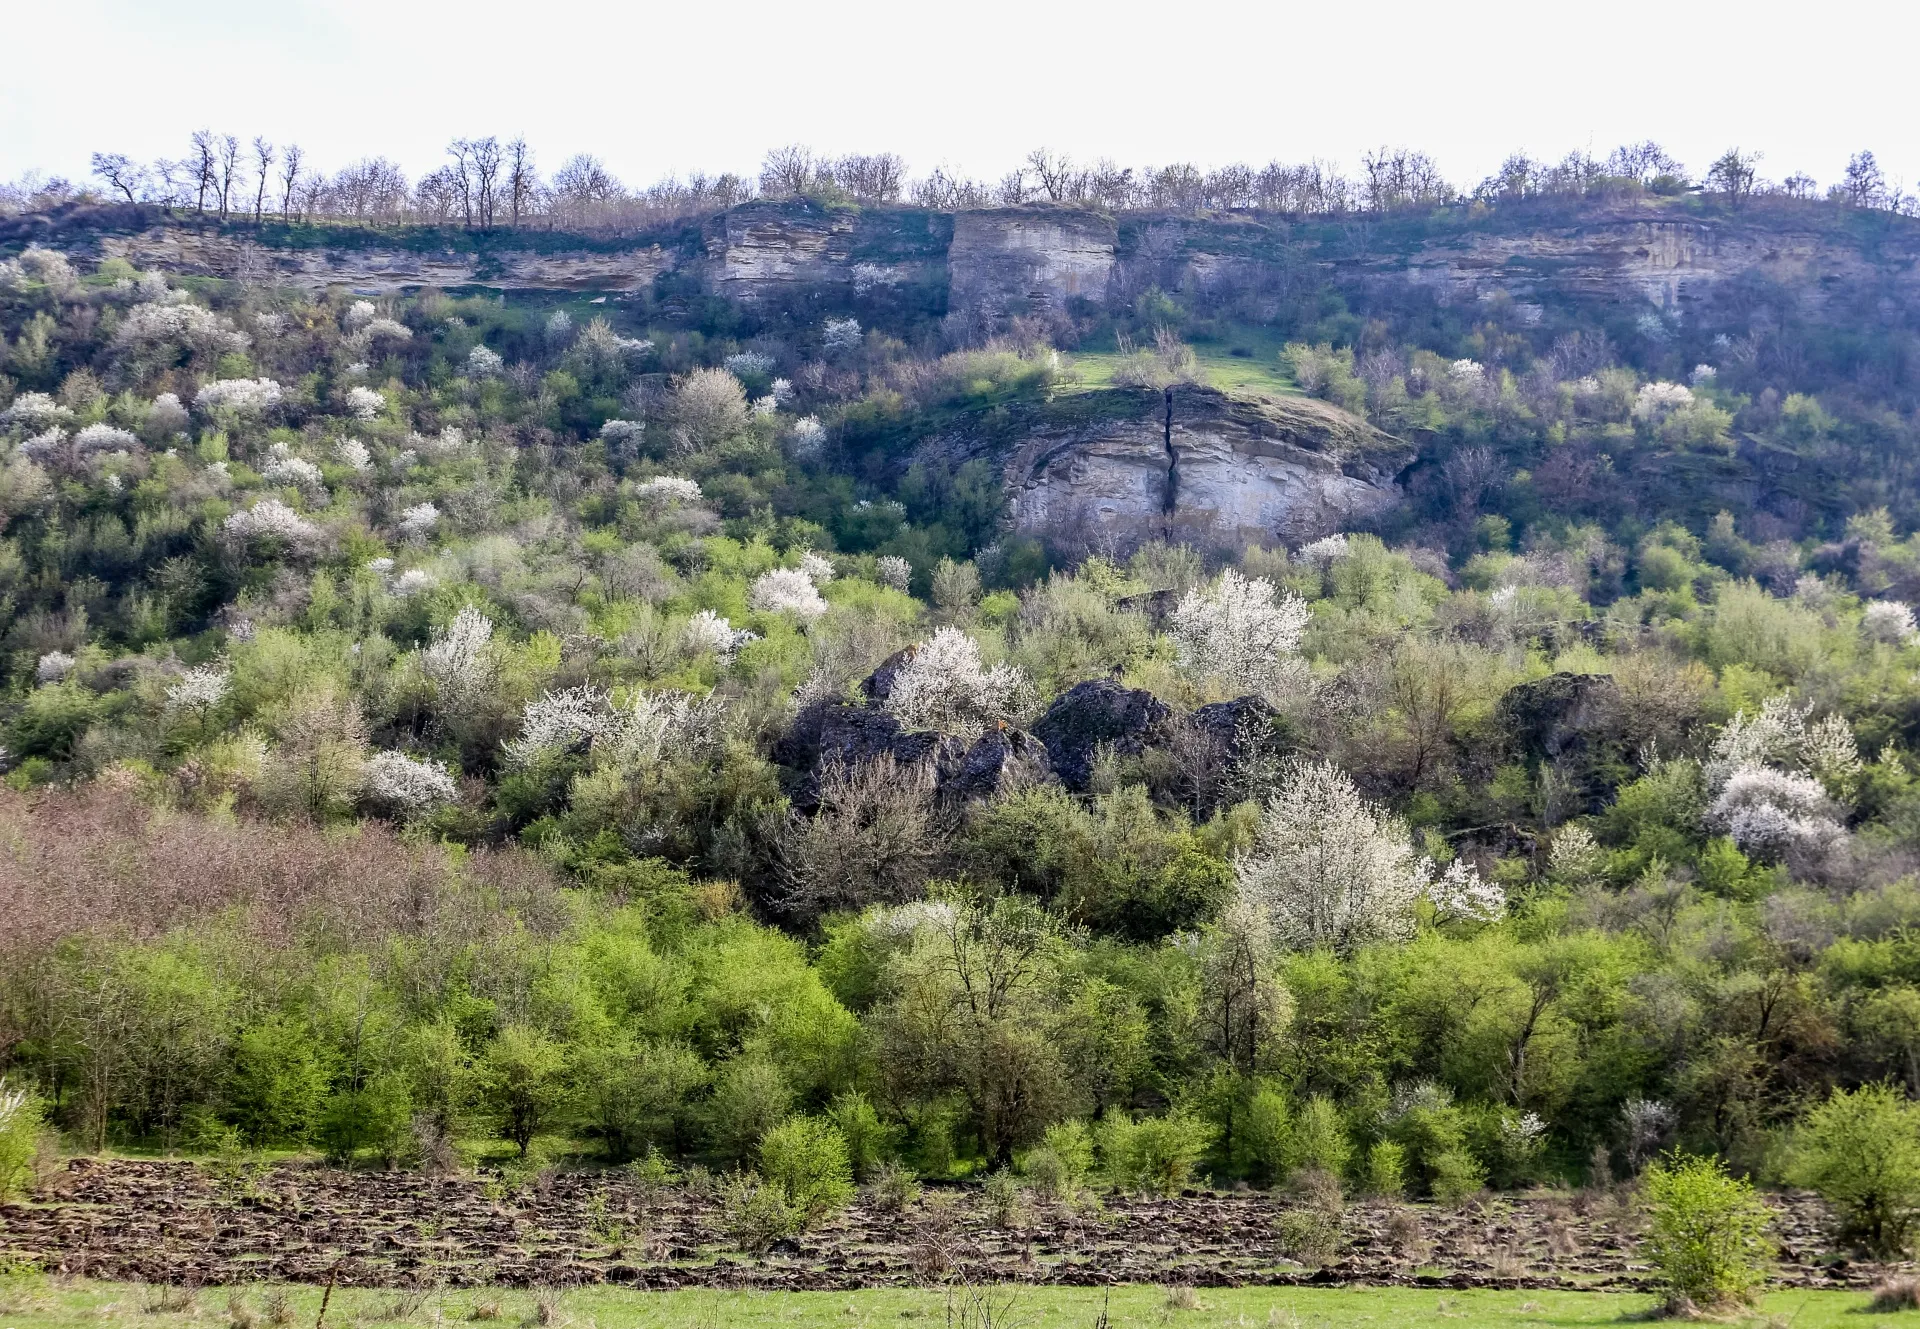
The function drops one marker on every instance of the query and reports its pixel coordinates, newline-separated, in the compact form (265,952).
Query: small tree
(19,1138)
(1861,1151)
(1706,1233)
(806,1158)
(524,1084)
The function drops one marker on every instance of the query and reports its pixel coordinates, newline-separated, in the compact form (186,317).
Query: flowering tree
(945,687)
(807,438)
(269,520)
(1889,621)
(410,786)
(418,521)
(841,334)
(1330,868)
(894,571)
(459,661)
(709,405)
(243,396)
(819,569)
(668,489)
(363,403)
(53,666)
(1238,632)
(786,591)
(353,453)
(283,468)
(483,363)
(199,690)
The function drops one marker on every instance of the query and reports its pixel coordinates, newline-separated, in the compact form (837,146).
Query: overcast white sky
(655,88)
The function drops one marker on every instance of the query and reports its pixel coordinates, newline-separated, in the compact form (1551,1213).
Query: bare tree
(1864,186)
(203,165)
(522,180)
(1734,175)
(462,152)
(788,172)
(290,164)
(263,163)
(229,149)
(874,839)
(118,171)
(878,178)
(1055,170)
(484,156)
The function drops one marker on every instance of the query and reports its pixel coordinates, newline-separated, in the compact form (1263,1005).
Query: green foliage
(1706,1232)
(755,1213)
(1386,1169)
(523,1082)
(277,1084)
(806,1159)
(20,1128)
(1154,1155)
(1861,1151)
(375,1116)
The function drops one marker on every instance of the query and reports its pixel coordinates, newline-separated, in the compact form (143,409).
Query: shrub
(1309,1236)
(1156,1154)
(1457,1176)
(1057,1167)
(755,1214)
(1266,1133)
(1861,1151)
(277,1083)
(1386,1170)
(1706,1233)
(19,1138)
(806,1158)
(377,1116)
(1319,1137)
(868,1139)
(523,1082)
(894,1188)
(751,1097)
(1005,1199)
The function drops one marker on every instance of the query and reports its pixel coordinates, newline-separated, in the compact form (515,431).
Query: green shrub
(1861,1151)
(277,1084)
(751,1098)
(806,1159)
(20,1125)
(377,1117)
(1005,1199)
(1456,1176)
(1309,1236)
(754,1213)
(1319,1137)
(1058,1166)
(1155,1154)
(893,1189)
(524,1083)
(1386,1170)
(1706,1233)
(869,1142)
(1266,1133)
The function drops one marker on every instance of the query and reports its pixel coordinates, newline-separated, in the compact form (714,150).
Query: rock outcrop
(1191,463)
(1096,714)
(1572,725)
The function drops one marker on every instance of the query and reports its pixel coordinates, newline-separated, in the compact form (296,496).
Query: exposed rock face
(1012,262)
(1098,712)
(387,268)
(1194,463)
(784,250)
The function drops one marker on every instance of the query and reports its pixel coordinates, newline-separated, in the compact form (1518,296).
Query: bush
(1386,1170)
(1005,1199)
(754,1214)
(1058,1166)
(1309,1236)
(1319,1137)
(377,1117)
(1266,1133)
(1157,1154)
(869,1142)
(277,1083)
(893,1189)
(1706,1233)
(1457,1176)
(1861,1152)
(524,1084)
(806,1159)
(19,1138)
(751,1098)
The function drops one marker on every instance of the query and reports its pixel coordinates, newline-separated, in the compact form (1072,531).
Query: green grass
(48,1304)
(1259,370)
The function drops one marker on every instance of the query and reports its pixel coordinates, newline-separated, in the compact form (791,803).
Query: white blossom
(1889,621)
(1781,736)
(459,660)
(559,326)
(449,442)
(1702,374)
(409,785)
(1576,857)
(360,314)
(668,489)
(53,666)
(944,687)
(894,571)
(764,407)
(483,363)
(104,438)
(781,391)
(412,582)
(807,438)
(1237,631)
(44,445)
(1768,812)
(743,363)
(358,369)
(788,591)
(619,432)
(707,631)
(418,521)
(1462,893)
(1321,553)
(353,453)
(380,566)
(1466,371)
(1330,868)
(364,403)
(179,322)
(866,276)
(246,396)
(560,719)
(200,689)
(818,569)
(269,519)
(1657,399)
(388,329)
(283,468)
(167,415)
(841,334)
(35,410)
(654,724)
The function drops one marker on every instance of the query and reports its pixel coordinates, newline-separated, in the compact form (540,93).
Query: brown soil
(178,1222)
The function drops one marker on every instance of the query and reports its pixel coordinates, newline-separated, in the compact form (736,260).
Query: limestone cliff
(1112,468)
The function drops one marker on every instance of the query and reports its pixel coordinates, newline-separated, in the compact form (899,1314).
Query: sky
(655,89)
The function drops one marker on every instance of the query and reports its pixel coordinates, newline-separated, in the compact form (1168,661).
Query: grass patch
(1243,360)
(49,1304)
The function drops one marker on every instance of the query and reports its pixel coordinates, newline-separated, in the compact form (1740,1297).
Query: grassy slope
(43,1304)
(1259,372)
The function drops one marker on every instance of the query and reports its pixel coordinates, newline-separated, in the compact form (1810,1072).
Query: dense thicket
(418,723)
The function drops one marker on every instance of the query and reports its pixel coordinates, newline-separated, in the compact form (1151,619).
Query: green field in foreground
(44,1304)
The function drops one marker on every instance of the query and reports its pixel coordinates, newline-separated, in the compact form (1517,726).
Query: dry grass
(1898,1293)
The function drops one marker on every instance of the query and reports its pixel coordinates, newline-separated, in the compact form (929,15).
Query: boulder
(1573,724)
(1094,713)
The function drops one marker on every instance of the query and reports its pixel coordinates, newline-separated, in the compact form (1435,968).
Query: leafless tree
(118,171)
(1864,186)
(874,839)
(522,180)
(1055,172)
(788,172)
(290,164)
(229,149)
(879,178)
(1734,175)
(263,163)
(204,167)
